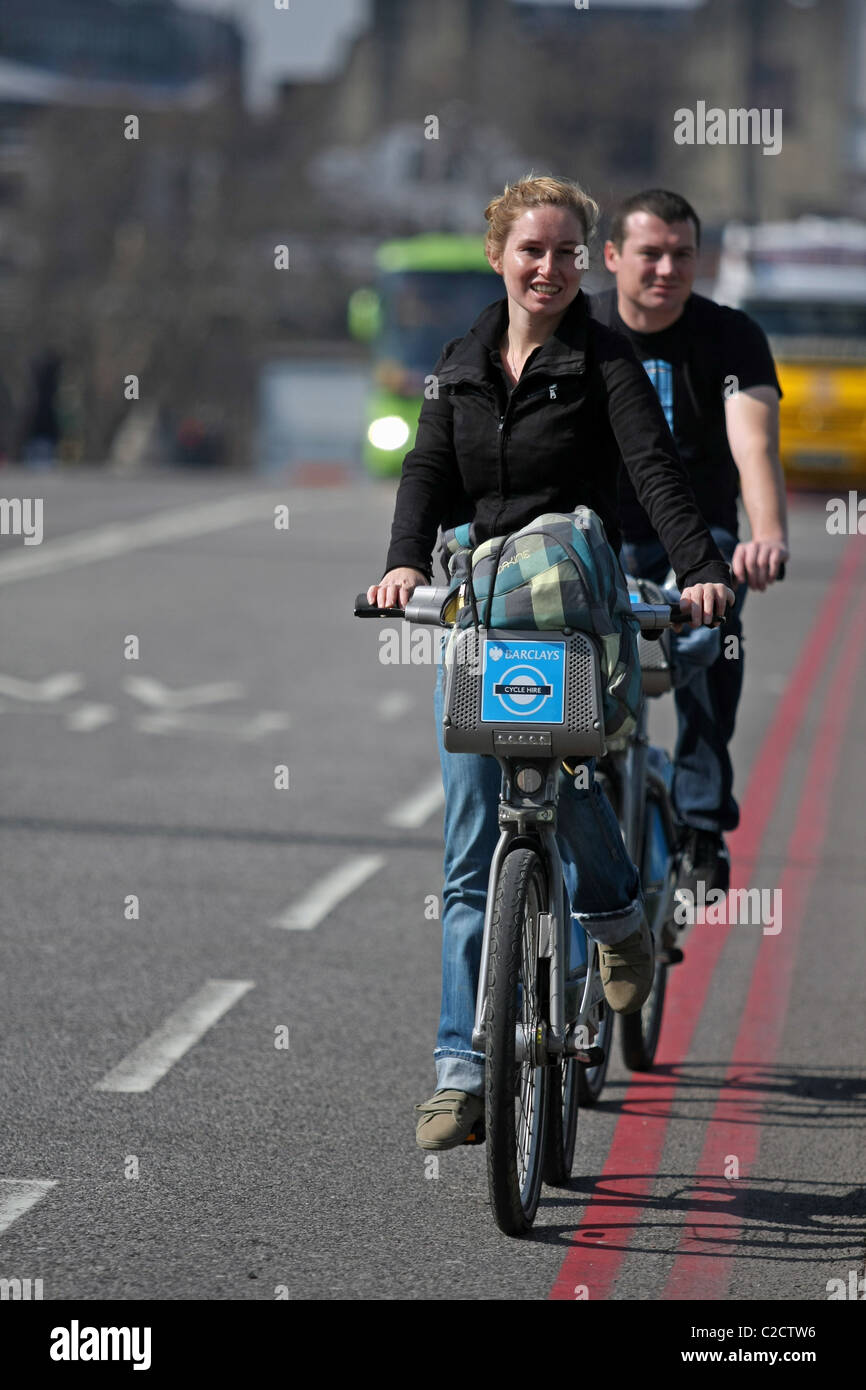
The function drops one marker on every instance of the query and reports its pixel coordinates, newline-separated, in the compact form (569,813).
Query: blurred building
(595,90)
(156,257)
(101,42)
(89,219)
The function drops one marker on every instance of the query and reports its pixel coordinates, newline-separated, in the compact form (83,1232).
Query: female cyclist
(534,411)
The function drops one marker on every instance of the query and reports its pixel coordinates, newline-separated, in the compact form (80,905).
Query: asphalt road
(275,1155)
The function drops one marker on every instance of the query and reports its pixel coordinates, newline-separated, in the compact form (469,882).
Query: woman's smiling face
(538,260)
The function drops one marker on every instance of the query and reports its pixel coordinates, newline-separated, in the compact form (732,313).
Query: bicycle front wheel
(516,1077)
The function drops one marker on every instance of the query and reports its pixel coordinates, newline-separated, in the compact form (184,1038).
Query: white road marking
(144,1066)
(177,523)
(309,911)
(86,718)
(18,1195)
(158,696)
(243,726)
(46,691)
(418,808)
(393,704)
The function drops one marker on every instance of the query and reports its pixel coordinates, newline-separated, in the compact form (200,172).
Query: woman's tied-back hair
(531,192)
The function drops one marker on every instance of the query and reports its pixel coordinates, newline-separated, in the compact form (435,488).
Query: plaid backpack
(558,571)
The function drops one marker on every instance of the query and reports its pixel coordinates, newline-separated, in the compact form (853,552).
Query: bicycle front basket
(532,693)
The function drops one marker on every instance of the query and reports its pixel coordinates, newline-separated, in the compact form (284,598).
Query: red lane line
(607,1224)
(703,1266)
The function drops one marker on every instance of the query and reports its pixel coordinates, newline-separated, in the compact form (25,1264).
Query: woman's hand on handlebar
(395,589)
(708,603)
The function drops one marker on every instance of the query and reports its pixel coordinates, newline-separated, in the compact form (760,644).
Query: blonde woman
(538,408)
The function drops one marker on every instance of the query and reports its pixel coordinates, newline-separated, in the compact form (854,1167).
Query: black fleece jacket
(583,406)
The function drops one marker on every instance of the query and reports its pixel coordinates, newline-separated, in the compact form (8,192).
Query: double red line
(633,1162)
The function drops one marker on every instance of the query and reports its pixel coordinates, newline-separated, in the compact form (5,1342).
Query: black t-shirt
(710,352)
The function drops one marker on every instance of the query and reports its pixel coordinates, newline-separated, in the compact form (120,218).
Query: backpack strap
(493,573)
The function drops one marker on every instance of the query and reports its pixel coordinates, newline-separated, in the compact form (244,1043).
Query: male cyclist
(716,381)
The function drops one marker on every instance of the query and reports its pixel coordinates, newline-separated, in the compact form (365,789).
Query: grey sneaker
(447,1119)
(627,970)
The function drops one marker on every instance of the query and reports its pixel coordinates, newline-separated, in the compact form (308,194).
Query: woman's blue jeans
(603,884)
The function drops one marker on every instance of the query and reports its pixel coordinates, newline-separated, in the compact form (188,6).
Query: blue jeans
(706,707)
(603,885)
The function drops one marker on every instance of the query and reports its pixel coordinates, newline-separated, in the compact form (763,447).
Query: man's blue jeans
(706,707)
(603,884)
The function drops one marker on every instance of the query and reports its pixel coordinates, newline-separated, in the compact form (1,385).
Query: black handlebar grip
(679,615)
(363,609)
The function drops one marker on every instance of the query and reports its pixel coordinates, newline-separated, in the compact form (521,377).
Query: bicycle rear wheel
(516,1088)
(640,1030)
(591,1079)
(563,1103)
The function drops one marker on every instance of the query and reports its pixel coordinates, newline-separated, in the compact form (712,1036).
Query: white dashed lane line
(120,539)
(18,1195)
(144,1066)
(419,807)
(330,890)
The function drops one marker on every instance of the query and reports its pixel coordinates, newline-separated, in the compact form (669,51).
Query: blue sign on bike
(523,682)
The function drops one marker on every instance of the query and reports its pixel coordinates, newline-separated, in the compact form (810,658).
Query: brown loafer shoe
(627,970)
(447,1119)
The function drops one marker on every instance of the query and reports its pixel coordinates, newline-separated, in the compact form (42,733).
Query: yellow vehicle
(805,284)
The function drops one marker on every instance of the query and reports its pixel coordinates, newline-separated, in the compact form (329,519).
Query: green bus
(429,289)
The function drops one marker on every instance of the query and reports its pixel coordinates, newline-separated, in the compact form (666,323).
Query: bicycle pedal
(478,1134)
(590,1056)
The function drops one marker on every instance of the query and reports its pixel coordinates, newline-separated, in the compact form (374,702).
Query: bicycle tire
(591,1079)
(641,1030)
(517,989)
(563,1107)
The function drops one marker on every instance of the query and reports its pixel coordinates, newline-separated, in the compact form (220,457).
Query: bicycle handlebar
(427,602)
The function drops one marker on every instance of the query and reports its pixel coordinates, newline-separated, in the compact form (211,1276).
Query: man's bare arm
(752,420)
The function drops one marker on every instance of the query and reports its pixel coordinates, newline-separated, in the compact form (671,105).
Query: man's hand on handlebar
(395,589)
(708,604)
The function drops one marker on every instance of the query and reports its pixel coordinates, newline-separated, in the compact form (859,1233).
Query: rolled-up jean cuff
(460,1071)
(607,928)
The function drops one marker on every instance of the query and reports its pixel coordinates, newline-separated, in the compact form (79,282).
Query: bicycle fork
(534,819)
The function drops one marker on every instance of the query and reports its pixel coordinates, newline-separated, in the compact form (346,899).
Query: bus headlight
(388,433)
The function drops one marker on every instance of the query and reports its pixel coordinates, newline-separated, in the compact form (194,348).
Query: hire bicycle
(541,1020)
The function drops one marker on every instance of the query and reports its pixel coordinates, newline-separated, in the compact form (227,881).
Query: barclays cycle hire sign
(523,682)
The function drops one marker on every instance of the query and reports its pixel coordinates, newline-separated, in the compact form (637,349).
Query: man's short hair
(670,207)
